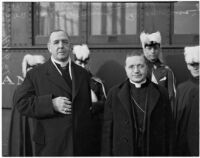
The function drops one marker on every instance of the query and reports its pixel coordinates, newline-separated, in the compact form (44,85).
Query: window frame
(181,39)
(42,40)
(85,35)
(113,39)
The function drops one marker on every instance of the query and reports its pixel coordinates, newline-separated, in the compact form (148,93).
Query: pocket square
(164,78)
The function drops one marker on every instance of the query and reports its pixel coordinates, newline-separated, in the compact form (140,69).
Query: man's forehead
(135,60)
(58,35)
(135,57)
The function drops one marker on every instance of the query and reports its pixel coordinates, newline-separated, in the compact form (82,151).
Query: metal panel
(6,116)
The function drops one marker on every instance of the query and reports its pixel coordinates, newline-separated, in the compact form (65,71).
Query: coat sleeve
(107,135)
(29,104)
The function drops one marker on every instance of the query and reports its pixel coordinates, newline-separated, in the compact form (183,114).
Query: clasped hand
(62,105)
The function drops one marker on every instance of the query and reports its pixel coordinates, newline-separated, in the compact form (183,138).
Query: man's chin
(63,58)
(137,80)
(195,75)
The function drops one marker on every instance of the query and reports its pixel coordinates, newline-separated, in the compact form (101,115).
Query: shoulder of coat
(97,79)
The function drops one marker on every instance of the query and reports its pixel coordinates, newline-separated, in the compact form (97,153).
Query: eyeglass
(193,64)
(153,45)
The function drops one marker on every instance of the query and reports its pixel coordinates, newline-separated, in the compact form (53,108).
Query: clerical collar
(62,64)
(138,85)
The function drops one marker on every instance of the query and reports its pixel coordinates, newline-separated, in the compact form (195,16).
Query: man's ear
(48,46)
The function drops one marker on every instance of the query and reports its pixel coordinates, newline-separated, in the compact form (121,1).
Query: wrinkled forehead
(58,35)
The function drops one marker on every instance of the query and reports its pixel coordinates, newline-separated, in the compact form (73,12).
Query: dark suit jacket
(56,134)
(119,125)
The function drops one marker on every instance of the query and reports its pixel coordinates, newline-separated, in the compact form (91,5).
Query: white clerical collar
(62,64)
(138,85)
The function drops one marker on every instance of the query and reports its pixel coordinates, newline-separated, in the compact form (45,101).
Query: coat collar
(124,97)
(153,96)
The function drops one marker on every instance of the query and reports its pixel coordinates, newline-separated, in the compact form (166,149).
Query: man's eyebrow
(61,40)
(65,40)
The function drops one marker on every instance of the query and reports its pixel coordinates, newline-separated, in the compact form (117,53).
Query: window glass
(53,16)
(186,17)
(113,18)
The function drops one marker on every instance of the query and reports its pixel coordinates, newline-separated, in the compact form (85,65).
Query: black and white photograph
(100,78)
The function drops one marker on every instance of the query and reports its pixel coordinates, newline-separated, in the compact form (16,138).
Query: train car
(110,29)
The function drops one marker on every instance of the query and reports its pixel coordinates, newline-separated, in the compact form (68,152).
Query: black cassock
(20,135)
(187,118)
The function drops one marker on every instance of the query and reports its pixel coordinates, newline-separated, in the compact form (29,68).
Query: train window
(113,23)
(50,16)
(186,22)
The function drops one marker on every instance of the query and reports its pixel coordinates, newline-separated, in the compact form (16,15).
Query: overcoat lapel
(76,79)
(153,96)
(54,76)
(124,97)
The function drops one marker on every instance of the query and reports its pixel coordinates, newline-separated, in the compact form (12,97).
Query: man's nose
(152,50)
(61,44)
(135,69)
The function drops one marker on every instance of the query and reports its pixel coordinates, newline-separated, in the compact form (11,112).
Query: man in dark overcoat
(137,115)
(20,141)
(57,95)
(187,107)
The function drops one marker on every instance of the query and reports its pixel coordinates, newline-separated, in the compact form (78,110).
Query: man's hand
(62,105)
